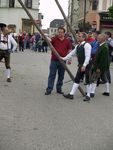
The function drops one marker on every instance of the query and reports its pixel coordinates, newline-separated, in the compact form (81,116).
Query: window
(11,3)
(95,5)
(104,4)
(28,3)
(51,30)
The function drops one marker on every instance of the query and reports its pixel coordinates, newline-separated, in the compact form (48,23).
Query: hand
(68,62)
(98,71)
(10,51)
(83,68)
(61,58)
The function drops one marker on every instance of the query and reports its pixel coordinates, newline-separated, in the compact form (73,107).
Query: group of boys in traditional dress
(93,54)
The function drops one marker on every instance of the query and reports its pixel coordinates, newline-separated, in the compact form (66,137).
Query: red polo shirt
(61,46)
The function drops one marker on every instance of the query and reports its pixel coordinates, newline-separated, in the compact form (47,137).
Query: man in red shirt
(62,46)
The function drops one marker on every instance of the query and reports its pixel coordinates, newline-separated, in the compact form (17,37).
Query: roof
(57,23)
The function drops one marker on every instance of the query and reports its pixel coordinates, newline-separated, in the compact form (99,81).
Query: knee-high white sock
(93,87)
(8,73)
(88,87)
(74,88)
(107,87)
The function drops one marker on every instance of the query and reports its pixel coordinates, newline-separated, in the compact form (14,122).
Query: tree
(110,9)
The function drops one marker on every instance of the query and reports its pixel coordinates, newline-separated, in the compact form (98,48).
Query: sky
(50,11)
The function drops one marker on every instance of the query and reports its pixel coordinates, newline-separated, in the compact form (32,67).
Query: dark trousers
(79,74)
(55,67)
(95,76)
(21,46)
(6,56)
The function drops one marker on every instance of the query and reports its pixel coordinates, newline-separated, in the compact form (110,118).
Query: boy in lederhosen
(6,43)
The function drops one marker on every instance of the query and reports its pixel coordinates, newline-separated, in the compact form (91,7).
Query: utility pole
(50,45)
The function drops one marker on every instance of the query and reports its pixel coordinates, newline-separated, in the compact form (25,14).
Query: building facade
(73,13)
(98,15)
(16,18)
(92,14)
(54,24)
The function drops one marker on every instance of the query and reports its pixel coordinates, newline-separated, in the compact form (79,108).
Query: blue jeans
(54,67)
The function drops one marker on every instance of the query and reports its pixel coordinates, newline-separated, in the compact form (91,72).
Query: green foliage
(110,9)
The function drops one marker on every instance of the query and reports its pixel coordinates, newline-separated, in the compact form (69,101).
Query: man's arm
(70,55)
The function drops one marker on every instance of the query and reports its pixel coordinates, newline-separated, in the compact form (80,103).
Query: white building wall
(16,14)
(102,2)
(17,4)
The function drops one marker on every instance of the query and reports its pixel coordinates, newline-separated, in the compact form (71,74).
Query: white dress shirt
(87,48)
(10,42)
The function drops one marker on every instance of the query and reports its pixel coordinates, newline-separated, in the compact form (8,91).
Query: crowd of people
(94,52)
(34,42)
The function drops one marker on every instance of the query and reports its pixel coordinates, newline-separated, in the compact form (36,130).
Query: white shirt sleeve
(71,54)
(111,43)
(87,48)
(13,42)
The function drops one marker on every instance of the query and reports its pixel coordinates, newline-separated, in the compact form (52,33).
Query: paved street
(30,120)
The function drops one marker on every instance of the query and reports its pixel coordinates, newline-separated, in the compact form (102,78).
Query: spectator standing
(62,46)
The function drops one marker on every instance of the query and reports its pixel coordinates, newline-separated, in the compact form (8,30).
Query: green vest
(80,52)
(102,58)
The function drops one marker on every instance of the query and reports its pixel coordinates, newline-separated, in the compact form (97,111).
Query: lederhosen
(5,54)
(80,52)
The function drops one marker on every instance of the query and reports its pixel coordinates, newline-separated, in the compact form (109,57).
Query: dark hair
(84,35)
(108,33)
(2,25)
(62,28)
(97,32)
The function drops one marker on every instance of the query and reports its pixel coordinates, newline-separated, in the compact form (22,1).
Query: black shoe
(8,79)
(68,96)
(47,92)
(86,99)
(60,92)
(92,95)
(106,94)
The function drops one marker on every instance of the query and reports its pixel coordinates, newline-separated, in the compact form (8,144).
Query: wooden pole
(50,45)
(66,20)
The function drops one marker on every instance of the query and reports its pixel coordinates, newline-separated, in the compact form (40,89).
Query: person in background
(100,65)
(21,37)
(44,45)
(90,37)
(109,41)
(7,45)
(62,46)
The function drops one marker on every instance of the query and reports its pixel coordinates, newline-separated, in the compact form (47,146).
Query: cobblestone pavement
(30,120)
